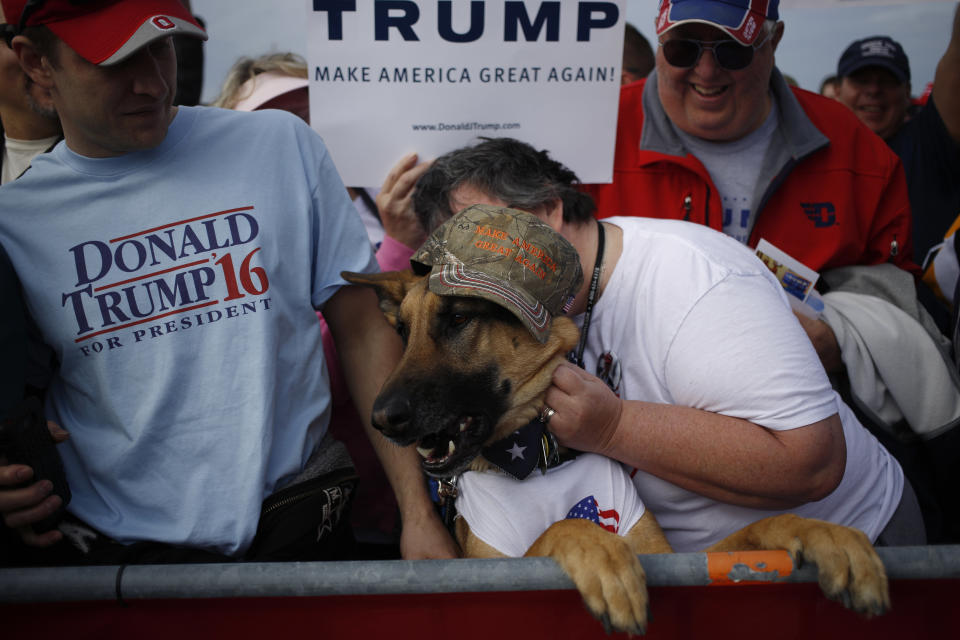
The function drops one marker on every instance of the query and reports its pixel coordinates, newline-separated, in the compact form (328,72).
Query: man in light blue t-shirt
(173,259)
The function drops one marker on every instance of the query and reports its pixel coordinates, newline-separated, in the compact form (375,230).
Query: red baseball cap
(105,32)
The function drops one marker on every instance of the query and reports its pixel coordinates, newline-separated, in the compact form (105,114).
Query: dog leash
(443,492)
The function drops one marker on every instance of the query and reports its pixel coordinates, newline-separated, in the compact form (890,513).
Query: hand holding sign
(395,202)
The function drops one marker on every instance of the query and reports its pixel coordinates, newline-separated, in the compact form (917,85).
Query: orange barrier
(736,566)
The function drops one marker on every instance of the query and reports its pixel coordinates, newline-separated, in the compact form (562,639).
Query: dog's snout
(391,416)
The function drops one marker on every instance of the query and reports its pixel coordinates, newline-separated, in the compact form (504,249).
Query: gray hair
(504,168)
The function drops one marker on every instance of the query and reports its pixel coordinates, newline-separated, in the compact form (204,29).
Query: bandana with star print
(519,453)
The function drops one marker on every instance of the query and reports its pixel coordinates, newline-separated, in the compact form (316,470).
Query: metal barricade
(745,594)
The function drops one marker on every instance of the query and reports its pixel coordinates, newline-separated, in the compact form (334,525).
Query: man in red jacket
(717,137)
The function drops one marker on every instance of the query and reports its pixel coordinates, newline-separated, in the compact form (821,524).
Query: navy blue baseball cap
(740,19)
(875,51)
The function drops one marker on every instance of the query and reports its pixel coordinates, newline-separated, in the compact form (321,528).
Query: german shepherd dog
(472,374)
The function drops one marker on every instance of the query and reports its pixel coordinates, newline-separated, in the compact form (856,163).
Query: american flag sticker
(589,509)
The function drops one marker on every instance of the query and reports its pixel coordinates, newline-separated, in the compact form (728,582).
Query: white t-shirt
(692,318)
(18,154)
(177,288)
(510,514)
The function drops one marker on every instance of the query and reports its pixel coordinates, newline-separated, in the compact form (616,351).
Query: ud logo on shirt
(821,214)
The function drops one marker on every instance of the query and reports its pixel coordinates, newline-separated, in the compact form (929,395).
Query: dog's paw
(604,569)
(848,568)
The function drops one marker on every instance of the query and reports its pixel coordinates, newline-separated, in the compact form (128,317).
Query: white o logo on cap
(163,23)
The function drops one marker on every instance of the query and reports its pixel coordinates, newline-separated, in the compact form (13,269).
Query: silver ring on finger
(546,413)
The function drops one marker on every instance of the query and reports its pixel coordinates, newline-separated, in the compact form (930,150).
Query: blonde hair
(289,64)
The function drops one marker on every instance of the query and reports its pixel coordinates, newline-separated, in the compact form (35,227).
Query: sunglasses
(730,55)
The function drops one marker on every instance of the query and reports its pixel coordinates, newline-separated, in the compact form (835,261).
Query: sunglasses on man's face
(684,53)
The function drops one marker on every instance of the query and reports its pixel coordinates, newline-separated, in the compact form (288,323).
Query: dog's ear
(391,288)
(565,332)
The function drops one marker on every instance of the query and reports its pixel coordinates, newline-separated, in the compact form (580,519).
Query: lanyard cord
(591,296)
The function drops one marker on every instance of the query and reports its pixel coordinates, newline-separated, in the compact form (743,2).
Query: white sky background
(816,33)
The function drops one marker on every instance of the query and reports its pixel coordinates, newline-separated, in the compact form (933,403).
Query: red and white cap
(106,32)
(740,19)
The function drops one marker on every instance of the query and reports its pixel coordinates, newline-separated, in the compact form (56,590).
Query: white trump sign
(388,77)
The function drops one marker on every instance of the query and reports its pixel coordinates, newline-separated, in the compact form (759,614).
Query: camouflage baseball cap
(506,256)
